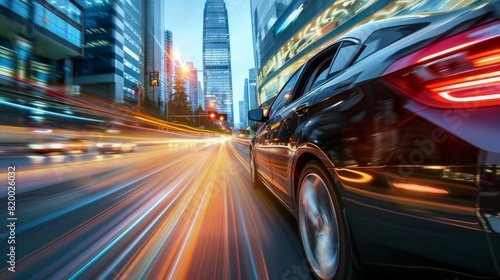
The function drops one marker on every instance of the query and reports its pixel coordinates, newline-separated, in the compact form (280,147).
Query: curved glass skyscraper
(217,59)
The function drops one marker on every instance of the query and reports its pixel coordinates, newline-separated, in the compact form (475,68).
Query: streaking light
(291,18)
(359,177)
(419,188)
(48,112)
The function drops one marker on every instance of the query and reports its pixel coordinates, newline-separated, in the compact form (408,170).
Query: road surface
(180,210)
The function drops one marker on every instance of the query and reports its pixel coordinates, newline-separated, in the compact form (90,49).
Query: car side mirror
(257,115)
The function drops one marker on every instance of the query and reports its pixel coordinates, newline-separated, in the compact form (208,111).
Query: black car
(386,148)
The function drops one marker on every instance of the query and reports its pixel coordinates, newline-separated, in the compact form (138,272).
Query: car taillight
(463,70)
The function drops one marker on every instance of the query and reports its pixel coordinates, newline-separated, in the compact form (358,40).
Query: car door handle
(301,109)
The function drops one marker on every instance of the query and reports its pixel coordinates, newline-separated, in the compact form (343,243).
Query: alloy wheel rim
(319,228)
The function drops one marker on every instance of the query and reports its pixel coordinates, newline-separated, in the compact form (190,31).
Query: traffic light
(154,78)
(223,117)
(213,115)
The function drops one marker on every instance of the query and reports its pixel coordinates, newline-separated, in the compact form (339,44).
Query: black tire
(256,182)
(322,228)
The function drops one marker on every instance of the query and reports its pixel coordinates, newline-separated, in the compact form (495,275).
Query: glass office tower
(100,73)
(154,50)
(287,32)
(169,65)
(217,59)
(38,40)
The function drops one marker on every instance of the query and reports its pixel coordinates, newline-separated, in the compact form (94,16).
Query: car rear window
(384,37)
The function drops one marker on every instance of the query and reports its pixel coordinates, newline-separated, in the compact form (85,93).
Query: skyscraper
(246,105)
(243,114)
(38,40)
(252,89)
(101,71)
(217,59)
(124,45)
(192,90)
(154,53)
(169,64)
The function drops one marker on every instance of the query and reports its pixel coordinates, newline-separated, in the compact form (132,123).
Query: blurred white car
(60,144)
(115,146)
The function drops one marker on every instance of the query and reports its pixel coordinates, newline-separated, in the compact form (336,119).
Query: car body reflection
(381,146)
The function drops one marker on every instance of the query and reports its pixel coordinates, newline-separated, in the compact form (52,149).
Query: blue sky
(185,19)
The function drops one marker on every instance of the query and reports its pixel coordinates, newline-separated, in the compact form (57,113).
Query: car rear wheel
(321,226)
(256,183)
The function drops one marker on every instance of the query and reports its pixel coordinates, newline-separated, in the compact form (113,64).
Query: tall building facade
(288,32)
(100,72)
(39,40)
(243,114)
(154,51)
(252,89)
(192,91)
(246,103)
(123,45)
(133,49)
(217,77)
(112,68)
(169,64)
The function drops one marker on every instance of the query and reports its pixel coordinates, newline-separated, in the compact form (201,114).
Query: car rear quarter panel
(409,181)
(404,177)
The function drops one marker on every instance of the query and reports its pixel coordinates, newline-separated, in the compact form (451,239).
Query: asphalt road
(182,210)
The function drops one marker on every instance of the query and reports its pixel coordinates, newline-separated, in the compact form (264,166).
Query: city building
(192,88)
(100,72)
(169,63)
(112,67)
(124,53)
(287,32)
(252,89)
(243,114)
(38,42)
(217,76)
(246,106)
(154,51)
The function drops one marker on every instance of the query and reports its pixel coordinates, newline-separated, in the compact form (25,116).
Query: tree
(203,121)
(180,106)
(150,107)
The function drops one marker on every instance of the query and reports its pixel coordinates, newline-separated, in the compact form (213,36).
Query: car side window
(285,95)
(345,54)
(384,37)
(321,75)
(333,63)
(320,68)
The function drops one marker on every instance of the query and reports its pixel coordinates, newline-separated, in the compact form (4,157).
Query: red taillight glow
(486,58)
(463,69)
